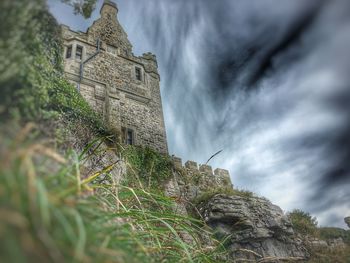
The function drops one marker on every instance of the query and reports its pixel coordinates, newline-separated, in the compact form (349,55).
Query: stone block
(222,172)
(206,169)
(177,162)
(191,165)
(223,177)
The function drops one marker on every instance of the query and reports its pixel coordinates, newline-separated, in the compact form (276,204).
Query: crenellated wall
(202,176)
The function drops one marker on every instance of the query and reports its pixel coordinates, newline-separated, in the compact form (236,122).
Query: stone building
(122,87)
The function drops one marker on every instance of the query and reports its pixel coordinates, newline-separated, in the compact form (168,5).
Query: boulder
(254,228)
(347,221)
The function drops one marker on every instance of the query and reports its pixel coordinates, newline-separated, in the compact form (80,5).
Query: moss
(146,167)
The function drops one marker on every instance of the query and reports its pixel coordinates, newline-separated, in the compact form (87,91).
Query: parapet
(177,162)
(204,168)
(149,61)
(221,176)
(191,165)
(222,172)
(149,56)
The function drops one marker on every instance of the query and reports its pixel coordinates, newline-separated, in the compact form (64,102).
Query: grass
(49,213)
(306,226)
(327,233)
(327,255)
(226,191)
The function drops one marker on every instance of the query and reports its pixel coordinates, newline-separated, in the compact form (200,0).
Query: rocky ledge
(347,221)
(255,228)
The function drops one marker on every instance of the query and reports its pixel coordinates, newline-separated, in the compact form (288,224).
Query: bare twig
(213,156)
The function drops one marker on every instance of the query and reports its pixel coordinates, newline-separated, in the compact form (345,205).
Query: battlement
(150,56)
(220,176)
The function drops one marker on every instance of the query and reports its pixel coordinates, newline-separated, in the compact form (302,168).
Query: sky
(266,81)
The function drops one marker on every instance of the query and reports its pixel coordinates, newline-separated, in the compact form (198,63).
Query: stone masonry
(123,88)
(194,180)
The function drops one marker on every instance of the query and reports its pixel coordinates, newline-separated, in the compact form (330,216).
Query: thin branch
(213,156)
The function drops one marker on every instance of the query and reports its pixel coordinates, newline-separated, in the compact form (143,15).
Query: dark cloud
(265,80)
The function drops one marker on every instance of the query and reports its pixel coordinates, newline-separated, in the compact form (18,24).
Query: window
(79,52)
(128,136)
(138,73)
(69,52)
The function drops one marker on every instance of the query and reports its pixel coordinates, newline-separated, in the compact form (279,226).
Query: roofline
(110,3)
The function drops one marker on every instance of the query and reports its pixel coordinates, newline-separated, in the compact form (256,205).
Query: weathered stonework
(123,88)
(194,181)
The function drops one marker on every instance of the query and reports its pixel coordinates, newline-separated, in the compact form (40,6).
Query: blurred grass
(49,213)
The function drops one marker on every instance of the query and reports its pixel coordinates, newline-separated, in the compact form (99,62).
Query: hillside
(70,191)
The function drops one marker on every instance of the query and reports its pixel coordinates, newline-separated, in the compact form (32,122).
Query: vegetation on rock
(303,222)
(147,167)
(226,191)
(306,226)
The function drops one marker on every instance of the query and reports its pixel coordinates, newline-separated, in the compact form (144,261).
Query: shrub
(327,233)
(303,222)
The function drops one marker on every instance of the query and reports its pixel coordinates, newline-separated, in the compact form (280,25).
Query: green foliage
(31,76)
(226,191)
(303,222)
(146,166)
(327,233)
(82,7)
(49,213)
(65,98)
(30,51)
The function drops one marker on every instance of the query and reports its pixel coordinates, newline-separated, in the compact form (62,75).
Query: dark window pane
(69,52)
(79,52)
(138,73)
(129,137)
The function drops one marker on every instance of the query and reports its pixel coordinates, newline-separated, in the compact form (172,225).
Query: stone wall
(195,180)
(108,81)
(219,177)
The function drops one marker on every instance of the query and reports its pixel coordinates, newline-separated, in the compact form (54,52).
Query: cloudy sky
(266,81)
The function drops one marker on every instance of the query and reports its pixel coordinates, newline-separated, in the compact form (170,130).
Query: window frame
(80,56)
(128,140)
(130,137)
(69,51)
(138,73)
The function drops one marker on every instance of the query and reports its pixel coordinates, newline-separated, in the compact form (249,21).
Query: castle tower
(120,86)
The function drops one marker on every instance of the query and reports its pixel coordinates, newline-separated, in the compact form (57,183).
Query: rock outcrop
(255,228)
(347,221)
